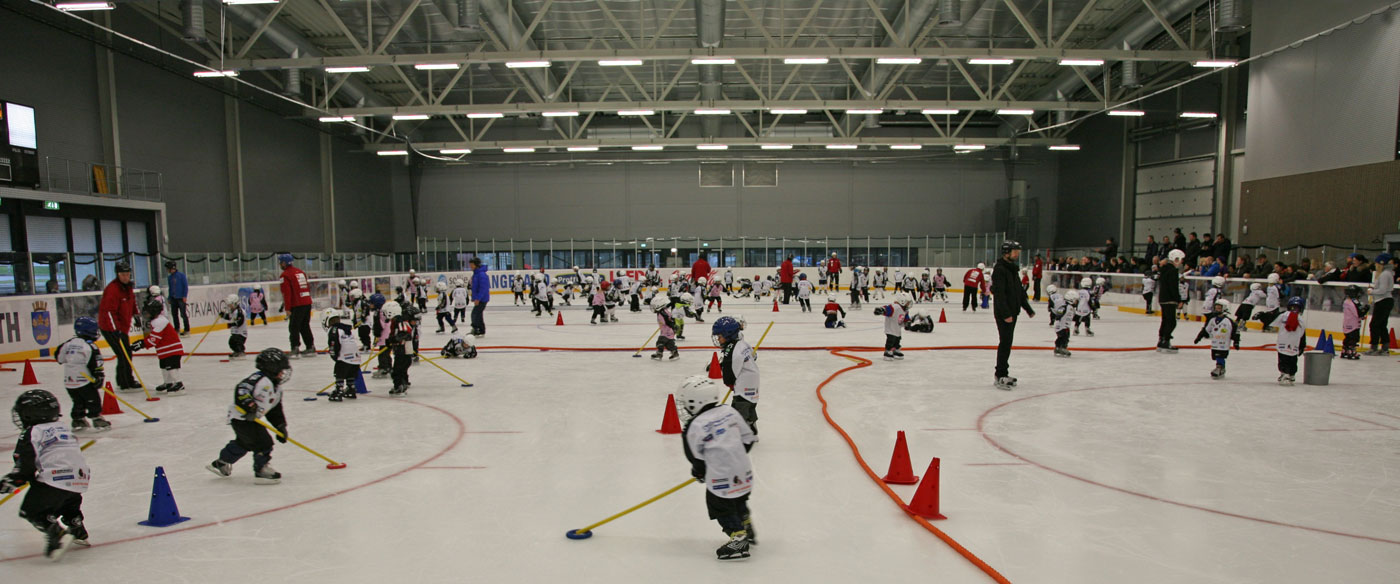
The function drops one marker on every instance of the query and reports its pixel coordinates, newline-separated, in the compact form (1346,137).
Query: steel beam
(733,105)
(868,142)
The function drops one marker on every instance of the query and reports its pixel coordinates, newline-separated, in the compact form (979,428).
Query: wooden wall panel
(1345,206)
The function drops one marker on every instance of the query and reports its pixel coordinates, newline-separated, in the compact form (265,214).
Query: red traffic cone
(943,316)
(559,321)
(901,472)
(1393,343)
(925,503)
(29,378)
(109,403)
(670,422)
(775,305)
(715,371)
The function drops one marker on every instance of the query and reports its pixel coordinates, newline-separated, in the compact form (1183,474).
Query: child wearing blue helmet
(83,375)
(739,363)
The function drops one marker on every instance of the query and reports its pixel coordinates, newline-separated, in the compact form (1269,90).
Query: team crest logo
(41,322)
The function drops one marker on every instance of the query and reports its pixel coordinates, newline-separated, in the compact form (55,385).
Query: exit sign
(51,205)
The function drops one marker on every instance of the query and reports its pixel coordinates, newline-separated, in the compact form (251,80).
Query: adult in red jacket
(700,269)
(833,272)
(1036,273)
(114,315)
(785,274)
(973,281)
(296,302)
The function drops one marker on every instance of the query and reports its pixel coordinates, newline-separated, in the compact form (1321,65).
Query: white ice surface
(1106,467)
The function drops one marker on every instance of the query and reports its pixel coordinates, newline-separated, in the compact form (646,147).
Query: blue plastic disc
(308,399)
(574,534)
(149,420)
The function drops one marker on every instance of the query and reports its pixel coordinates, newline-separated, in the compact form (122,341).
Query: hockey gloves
(8,485)
(697,470)
(138,345)
(282,433)
(879,311)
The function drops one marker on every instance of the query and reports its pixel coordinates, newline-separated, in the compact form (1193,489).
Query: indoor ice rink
(262,205)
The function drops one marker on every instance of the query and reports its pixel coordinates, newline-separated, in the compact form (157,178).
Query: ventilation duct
(950,13)
(291,85)
(1129,71)
(193,12)
(546,124)
(468,15)
(1230,17)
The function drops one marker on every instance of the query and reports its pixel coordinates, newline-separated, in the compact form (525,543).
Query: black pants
(446,316)
(730,513)
(747,410)
(237,343)
(402,359)
(248,437)
(970,297)
(1164,332)
(831,320)
(636,303)
(1243,313)
(1062,339)
(459,314)
(519,297)
(1037,289)
(299,327)
(253,317)
(664,344)
(44,503)
(479,318)
(1380,318)
(806,304)
(835,279)
(892,342)
(1351,340)
(87,401)
(1288,364)
(1147,297)
(386,360)
(1006,332)
(179,313)
(787,292)
(121,346)
(599,312)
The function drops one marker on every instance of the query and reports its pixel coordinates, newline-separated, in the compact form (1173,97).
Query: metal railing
(90,178)
(677,252)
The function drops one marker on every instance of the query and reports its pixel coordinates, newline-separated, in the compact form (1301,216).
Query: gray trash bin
(1317,367)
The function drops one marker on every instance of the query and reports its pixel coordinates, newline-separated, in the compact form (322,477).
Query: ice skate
(1061,352)
(178,388)
(1218,372)
(79,424)
(399,390)
(675,355)
(59,539)
(657,356)
(1076,331)
(612,319)
(236,356)
(309,352)
(898,354)
(736,549)
(101,425)
(748,527)
(379,374)
(1088,333)
(79,531)
(220,468)
(841,324)
(295,353)
(336,395)
(1004,383)
(266,475)
(889,356)
(1285,380)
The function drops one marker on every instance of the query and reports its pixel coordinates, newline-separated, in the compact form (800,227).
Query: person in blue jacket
(481,294)
(179,288)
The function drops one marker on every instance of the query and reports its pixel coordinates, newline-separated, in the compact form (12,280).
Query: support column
(107,111)
(327,196)
(1127,223)
(234,146)
(1225,193)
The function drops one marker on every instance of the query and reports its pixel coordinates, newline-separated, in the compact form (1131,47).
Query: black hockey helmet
(1008,245)
(169,264)
(1353,291)
(152,309)
(273,363)
(122,266)
(36,406)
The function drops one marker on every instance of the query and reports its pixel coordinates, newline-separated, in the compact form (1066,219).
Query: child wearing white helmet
(1084,309)
(444,308)
(804,293)
(1273,302)
(343,345)
(666,338)
(716,442)
(1061,311)
(461,298)
(517,287)
(896,314)
(713,289)
(232,313)
(1214,292)
(832,310)
(543,296)
(1149,286)
(1100,287)
(1222,330)
(1246,309)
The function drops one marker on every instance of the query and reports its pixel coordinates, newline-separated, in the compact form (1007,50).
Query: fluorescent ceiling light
(940,112)
(336,119)
(712,61)
(1082,62)
(650,148)
(526,64)
(484,115)
(392,153)
(407,117)
(620,62)
(215,73)
(1127,113)
(864,111)
(635,112)
(455,151)
(437,66)
(518,150)
(787,111)
(1202,115)
(842,146)
(1216,64)
(1066,147)
(899,60)
(906,146)
(711,112)
(990,61)
(560,114)
(1015,112)
(350,69)
(583,149)
(238,2)
(82,6)
(806,61)
(970,147)
(777,147)
(711,146)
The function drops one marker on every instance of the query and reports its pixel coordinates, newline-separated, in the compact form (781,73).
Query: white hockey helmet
(1051,289)
(441,286)
(697,392)
(588,279)
(154,290)
(327,315)
(539,277)
(981,266)
(230,301)
(1217,281)
(701,280)
(1086,282)
(1255,286)
(831,298)
(659,302)
(1222,305)
(903,299)
(1071,295)
(575,268)
(1100,281)
(1176,255)
(1273,278)
(392,309)
(356,293)
(743,322)
(687,298)
(412,272)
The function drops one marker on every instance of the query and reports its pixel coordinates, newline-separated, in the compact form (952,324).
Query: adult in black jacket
(1008,299)
(1169,295)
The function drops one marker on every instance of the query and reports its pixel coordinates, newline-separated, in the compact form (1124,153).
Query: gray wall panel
(362,200)
(55,74)
(281,182)
(1090,185)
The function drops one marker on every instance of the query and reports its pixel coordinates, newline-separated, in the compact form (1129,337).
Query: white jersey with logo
(265,394)
(1084,307)
(1220,330)
(1254,298)
(76,355)
(895,317)
(1149,284)
(459,297)
(1271,300)
(1063,312)
(58,460)
(1291,343)
(804,289)
(744,361)
(717,436)
(1212,294)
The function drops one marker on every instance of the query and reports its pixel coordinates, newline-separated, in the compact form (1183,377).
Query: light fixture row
(961,148)
(725,112)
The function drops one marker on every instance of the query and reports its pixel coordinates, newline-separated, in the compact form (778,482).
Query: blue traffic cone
(163,509)
(360,382)
(1325,344)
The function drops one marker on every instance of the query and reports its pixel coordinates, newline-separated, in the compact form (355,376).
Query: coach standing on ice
(114,314)
(1008,299)
(481,294)
(296,302)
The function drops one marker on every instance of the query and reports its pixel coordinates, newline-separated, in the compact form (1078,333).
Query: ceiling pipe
(1231,16)
(709,32)
(508,25)
(192,12)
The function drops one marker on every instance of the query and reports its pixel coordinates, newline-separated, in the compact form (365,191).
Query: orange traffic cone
(560,320)
(715,371)
(775,305)
(925,503)
(109,403)
(1393,343)
(29,378)
(943,316)
(901,472)
(670,422)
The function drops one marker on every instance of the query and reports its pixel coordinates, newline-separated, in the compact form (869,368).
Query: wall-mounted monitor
(19,145)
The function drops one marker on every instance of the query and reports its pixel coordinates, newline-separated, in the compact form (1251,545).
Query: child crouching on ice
(831,310)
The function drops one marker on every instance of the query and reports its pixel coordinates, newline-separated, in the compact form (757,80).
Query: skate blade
(265,481)
(63,544)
